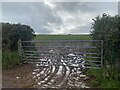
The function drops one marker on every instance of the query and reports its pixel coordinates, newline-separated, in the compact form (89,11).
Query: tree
(11,33)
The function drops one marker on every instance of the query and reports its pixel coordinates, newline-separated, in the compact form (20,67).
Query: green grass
(104,78)
(10,59)
(62,37)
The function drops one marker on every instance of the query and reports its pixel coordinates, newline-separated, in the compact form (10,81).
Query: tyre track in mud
(55,76)
(53,72)
(45,73)
(58,77)
(63,82)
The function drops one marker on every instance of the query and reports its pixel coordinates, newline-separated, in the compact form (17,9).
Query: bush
(11,33)
(105,28)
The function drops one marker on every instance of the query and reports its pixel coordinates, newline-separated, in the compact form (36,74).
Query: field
(62,37)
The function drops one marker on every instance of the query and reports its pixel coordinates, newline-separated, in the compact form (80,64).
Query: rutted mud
(27,76)
(60,77)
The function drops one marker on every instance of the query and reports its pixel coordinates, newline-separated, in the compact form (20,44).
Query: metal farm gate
(61,63)
(71,53)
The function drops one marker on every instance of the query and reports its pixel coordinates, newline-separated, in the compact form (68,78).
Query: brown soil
(21,77)
(18,77)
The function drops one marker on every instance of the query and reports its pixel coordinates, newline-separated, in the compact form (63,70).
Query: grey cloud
(82,29)
(38,15)
(36,11)
(89,7)
(43,30)
(35,14)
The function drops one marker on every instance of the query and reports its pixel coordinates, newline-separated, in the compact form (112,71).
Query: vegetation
(106,28)
(101,80)
(11,33)
(62,37)
(0,45)
(10,59)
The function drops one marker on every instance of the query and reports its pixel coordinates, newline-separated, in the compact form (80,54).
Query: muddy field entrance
(61,63)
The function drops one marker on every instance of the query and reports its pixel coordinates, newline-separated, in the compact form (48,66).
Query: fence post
(19,46)
(20,49)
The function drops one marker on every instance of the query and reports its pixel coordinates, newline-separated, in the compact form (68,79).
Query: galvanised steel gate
(71,53)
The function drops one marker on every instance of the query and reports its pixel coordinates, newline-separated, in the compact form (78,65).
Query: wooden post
(20,49)
(19,46)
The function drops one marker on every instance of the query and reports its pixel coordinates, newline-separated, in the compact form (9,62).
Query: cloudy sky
(56,17)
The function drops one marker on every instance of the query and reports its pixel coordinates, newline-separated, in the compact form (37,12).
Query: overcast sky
(56,17)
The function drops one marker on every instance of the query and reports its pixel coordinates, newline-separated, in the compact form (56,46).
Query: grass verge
(103,78)
(10,59)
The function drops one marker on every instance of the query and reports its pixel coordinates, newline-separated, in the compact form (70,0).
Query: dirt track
(19,77)
(22,77)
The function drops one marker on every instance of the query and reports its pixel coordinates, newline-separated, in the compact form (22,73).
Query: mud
(24,77)
(18,77)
